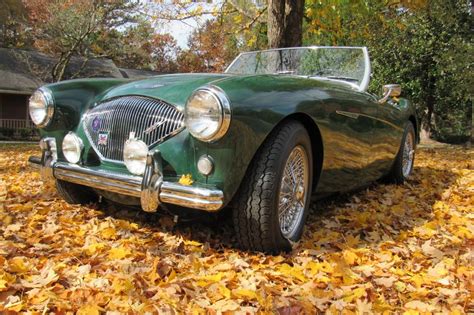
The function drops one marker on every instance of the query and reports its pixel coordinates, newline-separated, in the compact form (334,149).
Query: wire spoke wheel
(408,155)
(293,190)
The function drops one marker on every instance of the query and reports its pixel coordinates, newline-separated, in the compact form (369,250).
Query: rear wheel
(403,165)
(75,194)
(273,200)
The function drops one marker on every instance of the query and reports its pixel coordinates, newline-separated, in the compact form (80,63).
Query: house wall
(13,106)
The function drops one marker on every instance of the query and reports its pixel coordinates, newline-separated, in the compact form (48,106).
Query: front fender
(72,98)
(258,106)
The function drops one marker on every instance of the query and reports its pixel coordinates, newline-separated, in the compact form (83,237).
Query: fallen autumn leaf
(388,249)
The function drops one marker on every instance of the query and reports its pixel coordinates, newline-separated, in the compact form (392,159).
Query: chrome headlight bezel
(73,152)
(48,106)
(224,113)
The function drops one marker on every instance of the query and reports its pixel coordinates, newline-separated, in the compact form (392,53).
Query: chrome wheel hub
(408,155)
(293,189)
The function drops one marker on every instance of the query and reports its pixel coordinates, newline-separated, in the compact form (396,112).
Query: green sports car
(275,128)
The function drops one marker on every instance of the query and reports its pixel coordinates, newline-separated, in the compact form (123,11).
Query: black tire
(76,194)
(396,174)
(255,212)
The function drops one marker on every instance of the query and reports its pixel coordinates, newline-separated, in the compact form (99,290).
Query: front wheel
(273,200)
(403,165)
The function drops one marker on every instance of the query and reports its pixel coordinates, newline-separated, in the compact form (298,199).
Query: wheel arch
(414,121)
(317,147)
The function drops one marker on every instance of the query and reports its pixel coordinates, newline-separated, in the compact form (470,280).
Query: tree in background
(13,25)
(68,28)
(138,46)
(240,21)
(424,45)
(211,49)
(282,23)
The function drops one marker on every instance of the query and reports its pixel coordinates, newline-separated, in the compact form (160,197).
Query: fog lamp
(134,156)
(72,147)
(205,165)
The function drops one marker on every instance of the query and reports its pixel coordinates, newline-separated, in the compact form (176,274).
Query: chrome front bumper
(151,188)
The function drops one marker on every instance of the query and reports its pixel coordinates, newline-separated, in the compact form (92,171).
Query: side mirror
(390,90)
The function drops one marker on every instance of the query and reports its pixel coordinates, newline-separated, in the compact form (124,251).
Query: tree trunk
(285,23)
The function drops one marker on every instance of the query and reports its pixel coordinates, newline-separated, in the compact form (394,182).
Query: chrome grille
(151,120)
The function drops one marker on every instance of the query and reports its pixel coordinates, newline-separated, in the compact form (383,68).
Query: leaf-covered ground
(386,248)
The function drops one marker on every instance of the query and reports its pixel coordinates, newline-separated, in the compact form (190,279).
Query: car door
(388,132)
(347,141)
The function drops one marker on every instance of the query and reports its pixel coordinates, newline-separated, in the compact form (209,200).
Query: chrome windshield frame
(362,87)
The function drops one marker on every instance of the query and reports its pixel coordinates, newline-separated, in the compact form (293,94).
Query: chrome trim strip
(211,194)
(191,196)
(208,199)
(34,162)
(114,182)
(191,202)
(348,114)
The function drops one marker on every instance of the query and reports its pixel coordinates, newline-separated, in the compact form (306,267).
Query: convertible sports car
(278,126)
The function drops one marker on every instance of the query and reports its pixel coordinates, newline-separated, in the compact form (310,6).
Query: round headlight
(72,147)
(207,113)
(134,156)
(41,107)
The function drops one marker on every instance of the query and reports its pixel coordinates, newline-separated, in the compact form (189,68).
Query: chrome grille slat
(121,115)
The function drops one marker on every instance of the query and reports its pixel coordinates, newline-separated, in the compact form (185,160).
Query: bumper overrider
(150,188)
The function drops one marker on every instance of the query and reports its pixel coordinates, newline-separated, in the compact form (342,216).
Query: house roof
(23,71)
(14,75)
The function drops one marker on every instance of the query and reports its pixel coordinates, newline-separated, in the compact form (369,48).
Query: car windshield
(346,64)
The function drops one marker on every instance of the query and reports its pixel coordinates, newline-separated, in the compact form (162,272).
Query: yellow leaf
(355,294)
(17,264)
(400,286)
(88,309)
(350,257)
(17,307)
(171,276)
(3,285)
(109,233)
(93,248)
(122,285)
(293,272)
(192,243)
(206,280)
(119,253)
(417,280)
(186,180)
(244,294)
(224,291)
(315,267)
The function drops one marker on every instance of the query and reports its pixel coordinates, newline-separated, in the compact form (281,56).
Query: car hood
(171,88)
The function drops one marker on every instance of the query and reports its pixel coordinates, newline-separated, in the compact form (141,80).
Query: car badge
(103,137)
(96,124)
